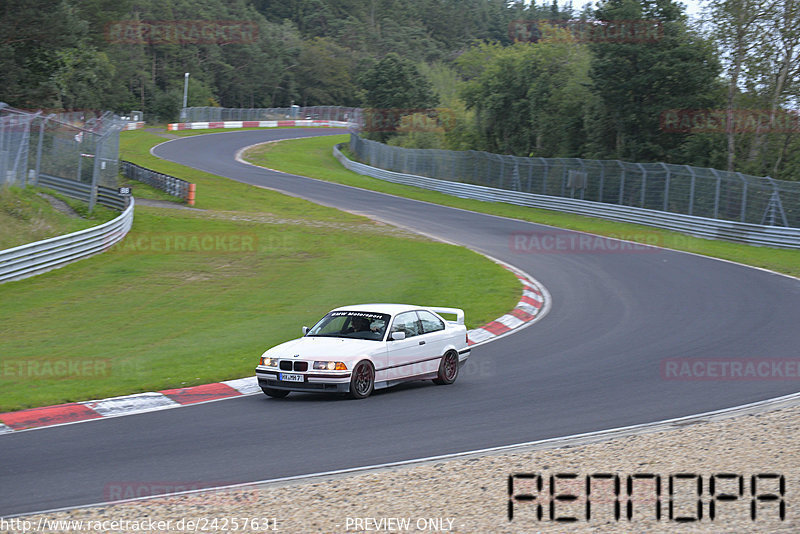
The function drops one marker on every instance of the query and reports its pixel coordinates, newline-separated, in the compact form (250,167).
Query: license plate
(289,377)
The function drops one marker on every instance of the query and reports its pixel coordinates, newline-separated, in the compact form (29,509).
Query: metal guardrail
(106,196)
(751,234)
(42,256)
(169,184)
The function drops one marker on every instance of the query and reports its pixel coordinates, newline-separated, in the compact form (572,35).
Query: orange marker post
(190,197)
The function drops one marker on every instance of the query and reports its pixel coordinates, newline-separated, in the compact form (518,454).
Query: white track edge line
(550,443)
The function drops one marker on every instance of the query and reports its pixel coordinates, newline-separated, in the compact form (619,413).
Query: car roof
(391,309)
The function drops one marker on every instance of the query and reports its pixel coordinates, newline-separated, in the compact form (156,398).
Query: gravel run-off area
(470,494)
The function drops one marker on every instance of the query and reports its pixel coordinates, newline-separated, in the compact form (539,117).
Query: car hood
(325,348)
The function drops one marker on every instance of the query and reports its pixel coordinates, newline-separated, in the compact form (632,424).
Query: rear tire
(448,369)
(275,393)
(362,382)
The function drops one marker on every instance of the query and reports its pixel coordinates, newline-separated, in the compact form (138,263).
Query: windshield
(352,325)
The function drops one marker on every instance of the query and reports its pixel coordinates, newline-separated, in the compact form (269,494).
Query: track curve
(592,363)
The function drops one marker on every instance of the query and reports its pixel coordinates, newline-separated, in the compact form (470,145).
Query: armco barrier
(106,196)
(42,256)
(169,184)
(751,234)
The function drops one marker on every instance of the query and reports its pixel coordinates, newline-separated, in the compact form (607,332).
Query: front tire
(275,393)
(448,369)
(362,382)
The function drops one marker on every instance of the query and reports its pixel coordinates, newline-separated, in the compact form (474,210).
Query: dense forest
(623,79)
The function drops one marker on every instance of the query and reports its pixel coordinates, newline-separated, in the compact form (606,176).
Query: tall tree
(393,87)
(737,29)
(325,74)
(636,79)
(779,73)
(529,98)
(40,38)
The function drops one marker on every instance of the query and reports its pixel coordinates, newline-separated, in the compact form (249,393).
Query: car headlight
(330,366)
(269,362)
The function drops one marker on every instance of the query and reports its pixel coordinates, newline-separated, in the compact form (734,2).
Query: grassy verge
(191,297)
(312,157)
(27,216)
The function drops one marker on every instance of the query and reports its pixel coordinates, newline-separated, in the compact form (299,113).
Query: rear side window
(429,322)
(406,322)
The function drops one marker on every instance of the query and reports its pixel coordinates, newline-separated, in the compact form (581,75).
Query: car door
(434,333)
(403,354)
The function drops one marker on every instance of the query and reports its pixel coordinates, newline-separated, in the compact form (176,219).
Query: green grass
(143,318)
(213,192)
(313,157)
(26,216)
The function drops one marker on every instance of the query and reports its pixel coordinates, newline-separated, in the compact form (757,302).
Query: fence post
(42,127)
(644,184)
(716,193)
(98,148)
(621,183)
(691,188)
(544,175)
(602,181)
(530,175)
(24,147)
(666,187)
(3,158)
(744,196)
(502,168)
(774,205)
(80,165)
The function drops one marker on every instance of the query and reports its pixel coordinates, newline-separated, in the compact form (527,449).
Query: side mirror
(305,330)
(397,336)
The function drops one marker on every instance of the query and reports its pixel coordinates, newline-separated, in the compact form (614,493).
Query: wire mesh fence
(82,146)
(323,113)
(683,189)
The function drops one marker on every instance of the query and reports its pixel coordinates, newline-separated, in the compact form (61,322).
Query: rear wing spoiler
(459,313)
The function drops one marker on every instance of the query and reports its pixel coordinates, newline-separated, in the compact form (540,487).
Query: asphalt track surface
(593,363)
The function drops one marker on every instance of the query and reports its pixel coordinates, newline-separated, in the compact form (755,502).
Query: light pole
(185,94)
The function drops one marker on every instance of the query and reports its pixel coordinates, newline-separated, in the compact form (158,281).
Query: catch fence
(81,147)
(321,113)
(680,189)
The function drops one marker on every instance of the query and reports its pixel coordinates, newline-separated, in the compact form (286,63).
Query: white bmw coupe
(357,349)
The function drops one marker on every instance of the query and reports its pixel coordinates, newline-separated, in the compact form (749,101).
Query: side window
(406,322)
(430,323)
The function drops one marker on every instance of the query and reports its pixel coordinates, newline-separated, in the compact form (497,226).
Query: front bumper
(312,382)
